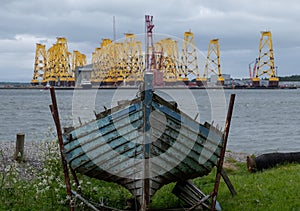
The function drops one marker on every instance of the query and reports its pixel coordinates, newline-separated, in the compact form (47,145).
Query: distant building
(214,79)
(83,73)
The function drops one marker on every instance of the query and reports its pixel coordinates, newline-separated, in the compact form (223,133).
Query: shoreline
(157,87)
(35,154)
(34,157)
(125,88)
(33,150)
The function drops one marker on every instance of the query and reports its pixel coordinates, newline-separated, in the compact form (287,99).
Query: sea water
(263,120)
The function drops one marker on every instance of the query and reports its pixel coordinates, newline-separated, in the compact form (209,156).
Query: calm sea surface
(263,120)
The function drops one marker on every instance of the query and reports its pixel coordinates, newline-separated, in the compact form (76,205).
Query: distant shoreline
(166,87)
(283,84)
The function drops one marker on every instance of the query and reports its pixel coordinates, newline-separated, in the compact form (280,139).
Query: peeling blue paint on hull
(112,147)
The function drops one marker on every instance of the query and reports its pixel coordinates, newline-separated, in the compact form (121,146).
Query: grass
(46,191)
(274,189)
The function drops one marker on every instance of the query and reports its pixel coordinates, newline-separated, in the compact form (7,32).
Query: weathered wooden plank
(112,147)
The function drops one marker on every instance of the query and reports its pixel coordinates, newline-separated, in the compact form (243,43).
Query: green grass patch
(274,189)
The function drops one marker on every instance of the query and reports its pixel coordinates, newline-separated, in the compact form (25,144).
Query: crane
(252,71)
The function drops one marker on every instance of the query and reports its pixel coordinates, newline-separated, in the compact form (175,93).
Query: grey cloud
(237,24)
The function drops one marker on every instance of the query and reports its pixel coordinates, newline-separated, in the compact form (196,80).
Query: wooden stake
(19,150)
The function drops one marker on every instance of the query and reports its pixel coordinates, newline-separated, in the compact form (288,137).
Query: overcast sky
(237,23)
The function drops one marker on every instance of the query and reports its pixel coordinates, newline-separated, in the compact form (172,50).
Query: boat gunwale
(209,127)
(155,98)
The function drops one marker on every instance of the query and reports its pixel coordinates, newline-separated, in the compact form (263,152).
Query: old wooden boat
(143,144)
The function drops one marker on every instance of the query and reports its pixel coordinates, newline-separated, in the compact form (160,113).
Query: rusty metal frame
(55,115)
(220,170)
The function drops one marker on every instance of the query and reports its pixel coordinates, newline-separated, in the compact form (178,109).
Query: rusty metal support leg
(228,182)
(222,155)
(55,115)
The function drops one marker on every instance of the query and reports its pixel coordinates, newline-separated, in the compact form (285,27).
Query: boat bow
(142,145)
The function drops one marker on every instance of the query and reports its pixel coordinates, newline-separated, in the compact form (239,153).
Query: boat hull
(112,147)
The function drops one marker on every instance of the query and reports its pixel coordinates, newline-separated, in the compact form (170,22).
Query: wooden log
(270,160)
(19,149)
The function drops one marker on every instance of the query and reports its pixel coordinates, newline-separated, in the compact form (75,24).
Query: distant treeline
(290,78)
(14,84)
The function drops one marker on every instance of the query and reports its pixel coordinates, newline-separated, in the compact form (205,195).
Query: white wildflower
(7,169)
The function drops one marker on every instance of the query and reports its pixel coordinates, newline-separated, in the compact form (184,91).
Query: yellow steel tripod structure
(189,58)
(168,60)
(97,75)
(107,62)
(116,63)
(54,66)
(265,64)
(212,64)
(40,64)
(59,68)
(78,60)
(131,55)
